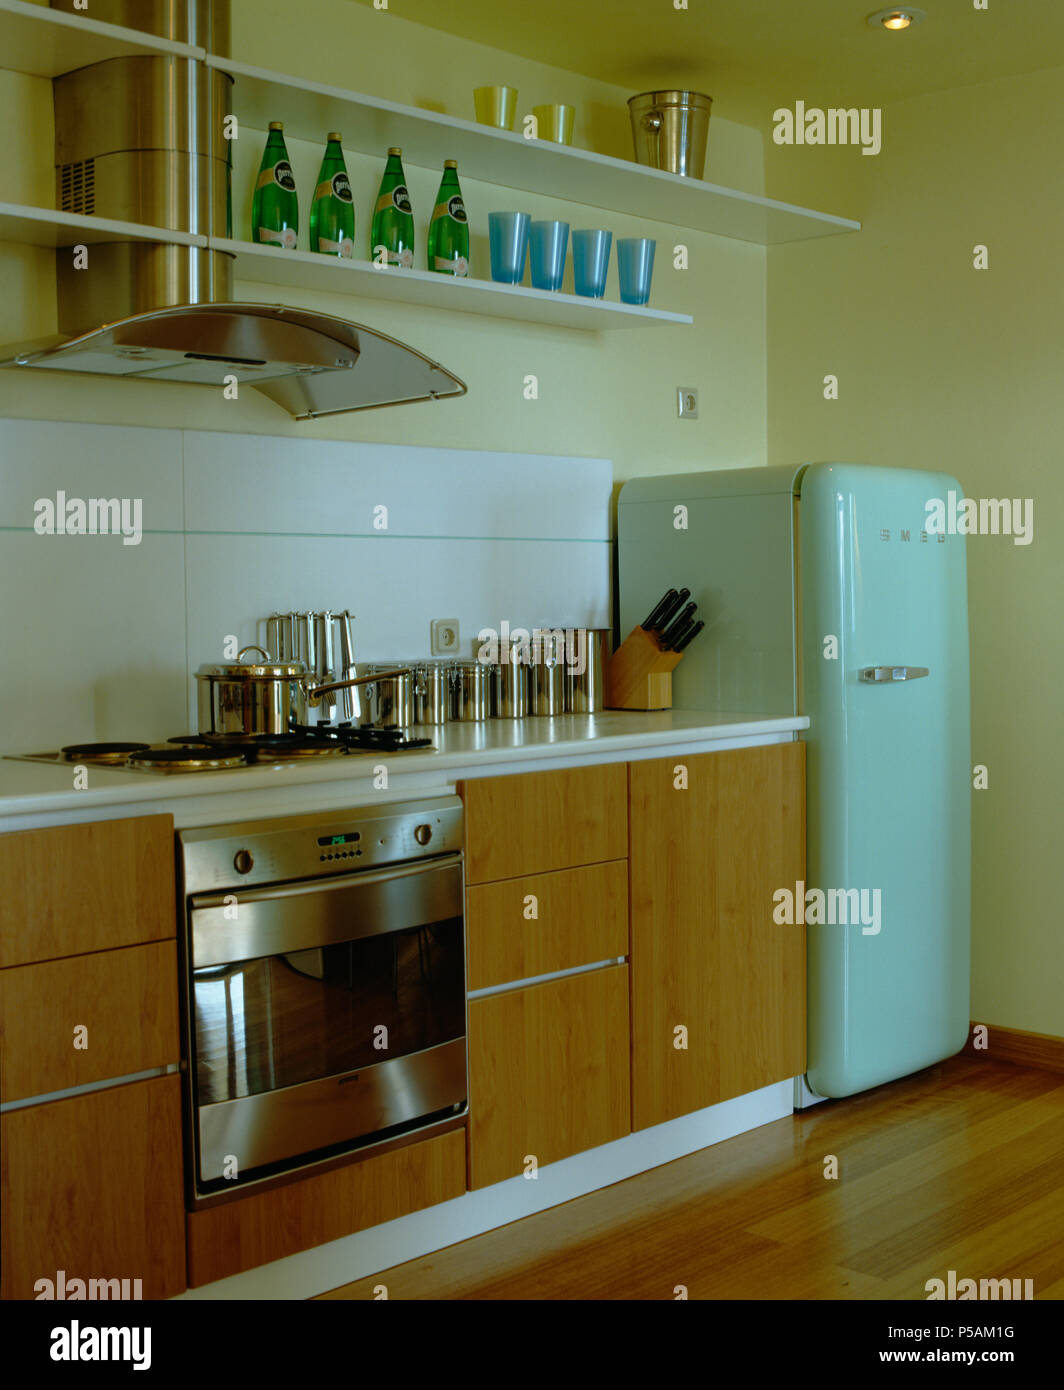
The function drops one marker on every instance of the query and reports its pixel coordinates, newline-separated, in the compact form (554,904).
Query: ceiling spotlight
(896,19)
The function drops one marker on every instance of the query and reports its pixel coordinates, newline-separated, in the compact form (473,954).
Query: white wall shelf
(370,125)
(45,227)
(47,42)
(306,271)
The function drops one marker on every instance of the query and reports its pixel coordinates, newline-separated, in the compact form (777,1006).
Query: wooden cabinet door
(93,1186)
(77,888)
(536,822)
(706,954)
(548,1072)
(126,1002)
(522,927)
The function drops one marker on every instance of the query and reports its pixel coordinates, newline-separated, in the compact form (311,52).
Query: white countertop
(37,794)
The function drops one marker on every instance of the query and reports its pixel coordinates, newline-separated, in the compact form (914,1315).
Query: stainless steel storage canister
(470,691)
(511,681)
(548,671)
(431,692)
(585,671)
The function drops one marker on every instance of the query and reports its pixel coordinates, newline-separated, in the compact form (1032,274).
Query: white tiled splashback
(99,638)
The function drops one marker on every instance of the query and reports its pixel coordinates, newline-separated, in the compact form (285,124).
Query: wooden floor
(960,1167)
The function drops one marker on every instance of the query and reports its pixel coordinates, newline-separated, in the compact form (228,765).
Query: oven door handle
(225,928)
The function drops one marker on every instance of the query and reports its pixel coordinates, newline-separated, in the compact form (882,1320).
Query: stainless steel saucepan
(248,699)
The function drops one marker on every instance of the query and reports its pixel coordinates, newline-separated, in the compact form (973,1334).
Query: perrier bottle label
(448,250)
(392,234)
(275,206)
(332,213)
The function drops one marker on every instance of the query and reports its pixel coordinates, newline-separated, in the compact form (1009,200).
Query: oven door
(323,1014)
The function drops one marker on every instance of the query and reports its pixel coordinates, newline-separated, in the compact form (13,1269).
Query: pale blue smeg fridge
(824,593)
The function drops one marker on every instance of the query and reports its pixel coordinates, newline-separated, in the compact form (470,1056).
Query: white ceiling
(754,55)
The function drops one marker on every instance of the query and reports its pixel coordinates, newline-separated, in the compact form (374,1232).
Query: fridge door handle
(884,675)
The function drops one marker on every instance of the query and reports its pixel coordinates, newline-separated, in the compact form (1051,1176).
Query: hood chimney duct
(141,139)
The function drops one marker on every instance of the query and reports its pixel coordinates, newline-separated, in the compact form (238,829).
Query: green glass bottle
(332,213)
(449,229)
(392,236)
(275,207)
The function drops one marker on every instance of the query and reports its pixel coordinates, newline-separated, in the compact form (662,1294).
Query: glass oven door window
(281,1020)
(385,979)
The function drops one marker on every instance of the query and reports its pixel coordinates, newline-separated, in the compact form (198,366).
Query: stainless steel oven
(324,975)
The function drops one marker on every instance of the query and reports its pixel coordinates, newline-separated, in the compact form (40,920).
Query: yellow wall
(944,367)
(605,395)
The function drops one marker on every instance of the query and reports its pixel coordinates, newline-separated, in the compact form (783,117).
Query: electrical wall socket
(445,637)
(687,402)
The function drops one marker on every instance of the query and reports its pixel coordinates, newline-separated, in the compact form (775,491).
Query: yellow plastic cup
(496,106)
(555,123)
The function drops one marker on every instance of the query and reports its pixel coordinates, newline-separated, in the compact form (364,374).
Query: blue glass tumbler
(591,259)
(635,266)
(549,243)
(508,235)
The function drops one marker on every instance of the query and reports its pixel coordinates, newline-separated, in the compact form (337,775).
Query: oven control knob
(422,834)
(243,862)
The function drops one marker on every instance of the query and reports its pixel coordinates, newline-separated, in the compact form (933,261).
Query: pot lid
(266,669)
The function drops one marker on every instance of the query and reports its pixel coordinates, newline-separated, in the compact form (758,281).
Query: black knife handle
(678,626)
(671,611)
(656,613)
(677,633)
(689,636)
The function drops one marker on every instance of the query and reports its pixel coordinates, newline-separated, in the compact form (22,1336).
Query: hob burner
(196,758)
(281,751)
(103,754)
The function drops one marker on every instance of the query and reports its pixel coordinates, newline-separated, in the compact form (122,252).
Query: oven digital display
(350,838)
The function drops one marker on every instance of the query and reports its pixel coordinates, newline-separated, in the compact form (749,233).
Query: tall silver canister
(511,680)
(470,691)
(432,692)
(548,671)
(670,130)
(585,670)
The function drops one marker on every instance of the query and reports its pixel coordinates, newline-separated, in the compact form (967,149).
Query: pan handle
(261,651)
(315,692)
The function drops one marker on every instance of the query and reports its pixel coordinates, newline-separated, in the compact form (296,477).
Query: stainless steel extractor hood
(309,363)
(140,139)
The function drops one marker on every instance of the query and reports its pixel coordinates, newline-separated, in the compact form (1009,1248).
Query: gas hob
(192,753)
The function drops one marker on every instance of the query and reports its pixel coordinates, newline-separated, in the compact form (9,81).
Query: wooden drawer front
(706,953)
(535,822)
(126,1000)
(93,1186)
(242,1234)
(78,888)
(582,918)
(548,1072)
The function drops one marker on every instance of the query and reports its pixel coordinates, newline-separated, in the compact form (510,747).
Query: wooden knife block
(639,674)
